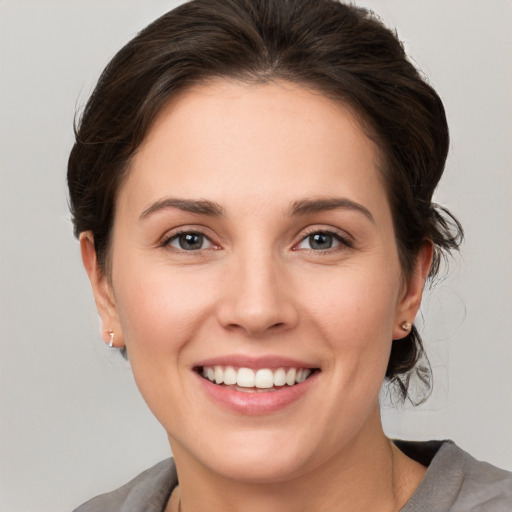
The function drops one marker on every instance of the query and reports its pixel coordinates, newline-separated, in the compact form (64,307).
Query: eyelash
(166,242)
(342,240)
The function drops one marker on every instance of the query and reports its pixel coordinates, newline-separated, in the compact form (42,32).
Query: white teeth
(230,376)
(219,374)
(302,375)
(290,376)
(245,378)
(280,377)
(264,378)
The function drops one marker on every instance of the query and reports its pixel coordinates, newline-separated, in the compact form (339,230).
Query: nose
(258,298)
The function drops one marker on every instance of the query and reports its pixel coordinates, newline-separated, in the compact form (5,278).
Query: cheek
(160,309)
(161,312)
(355,309)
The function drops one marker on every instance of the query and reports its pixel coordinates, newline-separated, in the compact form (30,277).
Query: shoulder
(148,492)
(456,481)
(483,487)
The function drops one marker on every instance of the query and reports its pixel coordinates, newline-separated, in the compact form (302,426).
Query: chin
(260,468)
(259,456)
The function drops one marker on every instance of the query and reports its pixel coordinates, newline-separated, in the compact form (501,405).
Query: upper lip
(245,361)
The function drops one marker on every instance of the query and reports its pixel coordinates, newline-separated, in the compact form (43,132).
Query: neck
(370,473)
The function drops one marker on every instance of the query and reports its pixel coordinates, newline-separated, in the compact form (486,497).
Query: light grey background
(72,424)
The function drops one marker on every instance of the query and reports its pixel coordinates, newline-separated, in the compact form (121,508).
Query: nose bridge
(257,299)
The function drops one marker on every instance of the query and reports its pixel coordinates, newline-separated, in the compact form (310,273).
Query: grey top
(454,482)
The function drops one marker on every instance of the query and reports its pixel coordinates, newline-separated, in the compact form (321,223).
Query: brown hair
(341,50)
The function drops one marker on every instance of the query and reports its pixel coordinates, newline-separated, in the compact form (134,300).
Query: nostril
(255,329)
(256,315)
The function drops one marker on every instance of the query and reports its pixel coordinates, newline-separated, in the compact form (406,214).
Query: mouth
(249,380)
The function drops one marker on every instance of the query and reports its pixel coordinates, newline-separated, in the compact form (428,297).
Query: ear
(410,300)
(102,290)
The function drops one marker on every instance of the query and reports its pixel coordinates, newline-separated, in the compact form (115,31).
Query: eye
(322,241)
(189,241)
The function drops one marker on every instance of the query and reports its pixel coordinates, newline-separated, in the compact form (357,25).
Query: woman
(252,185)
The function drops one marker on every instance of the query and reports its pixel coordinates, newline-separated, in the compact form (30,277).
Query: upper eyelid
(174,233)
(342,236)
(299,237)
(187,228)
(331,230)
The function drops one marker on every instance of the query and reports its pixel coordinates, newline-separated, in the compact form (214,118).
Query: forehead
(226,139)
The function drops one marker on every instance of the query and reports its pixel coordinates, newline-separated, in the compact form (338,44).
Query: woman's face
(253,237)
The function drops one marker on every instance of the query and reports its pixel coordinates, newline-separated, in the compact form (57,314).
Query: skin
(257,287)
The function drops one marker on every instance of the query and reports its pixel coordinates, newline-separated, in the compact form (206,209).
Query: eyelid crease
(331,230)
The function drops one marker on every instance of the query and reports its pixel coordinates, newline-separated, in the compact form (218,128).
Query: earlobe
(413,291)
(102,290)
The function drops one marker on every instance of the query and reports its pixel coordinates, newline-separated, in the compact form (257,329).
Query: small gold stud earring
(111,334)
(406,326)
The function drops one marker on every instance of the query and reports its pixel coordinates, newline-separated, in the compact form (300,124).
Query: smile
(254,380)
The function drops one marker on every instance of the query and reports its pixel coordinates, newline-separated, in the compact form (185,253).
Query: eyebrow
(199,206)
(306,206)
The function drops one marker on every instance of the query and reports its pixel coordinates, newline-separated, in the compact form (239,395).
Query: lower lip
(256,403)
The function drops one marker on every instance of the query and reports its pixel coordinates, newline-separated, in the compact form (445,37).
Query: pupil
(320,241)
(191,241)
